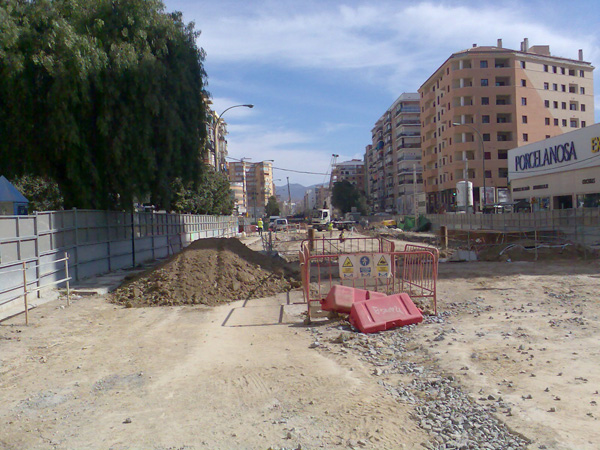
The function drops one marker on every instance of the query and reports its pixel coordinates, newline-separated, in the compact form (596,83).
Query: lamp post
(217,131)
(482,162)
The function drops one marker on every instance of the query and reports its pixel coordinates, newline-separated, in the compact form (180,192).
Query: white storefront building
(558,173)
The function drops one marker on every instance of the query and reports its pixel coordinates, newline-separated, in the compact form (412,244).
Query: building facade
(256,182)
(483,101)
(558,173)
(352,171)
(393,159)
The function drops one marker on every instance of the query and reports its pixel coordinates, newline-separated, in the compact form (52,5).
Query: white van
(280,224)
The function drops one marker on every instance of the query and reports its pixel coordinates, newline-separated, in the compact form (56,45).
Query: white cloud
(384,42)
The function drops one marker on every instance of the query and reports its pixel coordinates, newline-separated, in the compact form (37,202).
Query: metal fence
(580,225)
(96,242)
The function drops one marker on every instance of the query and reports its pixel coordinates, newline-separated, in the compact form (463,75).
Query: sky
(320,73)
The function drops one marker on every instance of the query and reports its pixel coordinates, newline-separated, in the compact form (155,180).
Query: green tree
(272,208)
(43,194)
(211,194)
(104,97)
(345,196)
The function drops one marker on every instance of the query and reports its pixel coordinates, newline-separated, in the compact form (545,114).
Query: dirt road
(519,339)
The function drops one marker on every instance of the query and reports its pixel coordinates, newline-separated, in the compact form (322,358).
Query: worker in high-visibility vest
(260,226)
(330,229)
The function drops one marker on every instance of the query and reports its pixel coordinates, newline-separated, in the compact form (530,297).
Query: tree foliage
(43,194)
(272,208)
(211,194)
(104,97)
(345,195)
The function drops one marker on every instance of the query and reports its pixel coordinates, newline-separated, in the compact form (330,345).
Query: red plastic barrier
(341,298)
(384,313)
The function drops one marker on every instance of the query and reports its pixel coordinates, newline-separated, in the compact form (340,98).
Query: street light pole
(216,133)
(482,201)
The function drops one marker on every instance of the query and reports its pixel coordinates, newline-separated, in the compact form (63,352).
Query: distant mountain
(297,191)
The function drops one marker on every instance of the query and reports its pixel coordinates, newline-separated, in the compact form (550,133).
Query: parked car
(280,225)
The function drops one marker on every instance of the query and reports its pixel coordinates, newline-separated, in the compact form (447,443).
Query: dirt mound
(534,251)
(209,271)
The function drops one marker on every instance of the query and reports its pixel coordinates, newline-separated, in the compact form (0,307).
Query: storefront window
(588,200)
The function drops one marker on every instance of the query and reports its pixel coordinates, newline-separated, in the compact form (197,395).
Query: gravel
(452,418)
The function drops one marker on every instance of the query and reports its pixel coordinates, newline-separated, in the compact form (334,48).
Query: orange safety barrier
(413,270)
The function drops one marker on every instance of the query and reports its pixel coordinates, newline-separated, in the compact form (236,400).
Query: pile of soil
(208,272)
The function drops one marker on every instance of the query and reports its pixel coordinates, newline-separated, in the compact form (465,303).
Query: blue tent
(12,202)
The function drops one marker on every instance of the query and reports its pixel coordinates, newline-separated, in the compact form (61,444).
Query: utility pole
(289,197)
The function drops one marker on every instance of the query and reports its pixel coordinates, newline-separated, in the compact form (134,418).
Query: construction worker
(259,225)
(330,229)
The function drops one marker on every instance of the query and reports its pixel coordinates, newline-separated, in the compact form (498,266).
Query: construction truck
(321,217)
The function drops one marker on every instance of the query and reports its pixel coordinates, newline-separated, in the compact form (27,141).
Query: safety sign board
(346,267)
(383,266)
(368,265)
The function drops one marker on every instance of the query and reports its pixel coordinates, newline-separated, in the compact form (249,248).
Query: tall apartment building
(352,171)
(502,99)
(394,157)
(252,185)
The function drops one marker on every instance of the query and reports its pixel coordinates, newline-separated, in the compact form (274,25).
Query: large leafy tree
(104,97)
(210,195)
(345,196)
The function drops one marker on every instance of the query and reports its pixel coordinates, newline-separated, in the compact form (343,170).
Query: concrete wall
(95,241)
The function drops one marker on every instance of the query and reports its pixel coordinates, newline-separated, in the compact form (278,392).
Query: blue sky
(320,73)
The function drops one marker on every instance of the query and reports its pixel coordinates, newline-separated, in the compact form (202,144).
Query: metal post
(25,293)
(67,277)
(132,240)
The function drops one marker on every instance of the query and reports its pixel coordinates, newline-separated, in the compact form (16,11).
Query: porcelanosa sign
(546,157)
(570,151)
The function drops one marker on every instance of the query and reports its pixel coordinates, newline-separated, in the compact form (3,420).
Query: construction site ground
(520,340)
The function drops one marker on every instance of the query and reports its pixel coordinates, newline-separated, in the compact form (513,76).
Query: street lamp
(482,162)
(217,131)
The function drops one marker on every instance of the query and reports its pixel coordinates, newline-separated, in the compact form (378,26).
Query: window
(547,103)
(573,106)
(486,136)
(484,82)
(564,122)
(547,136)
(485,100)
(523,101)
(554,87)
(524,119)
(488,155)
(555,105)
(485,119)
(502,154)
(545,67)
(483,64)
(572,72)
(555,122)
(525,137)
(523,83)
(582,107)
(582,90)
(488,174)
(547,121)
(546,86)
(503,172)
(522,64)
(583,124)
(562,70)
(563,88)
(573,123)
(554,69)
(581,73)
(563,105)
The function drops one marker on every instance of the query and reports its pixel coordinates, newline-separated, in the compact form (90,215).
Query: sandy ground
(245,375)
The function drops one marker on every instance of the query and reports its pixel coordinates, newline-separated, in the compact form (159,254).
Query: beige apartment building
(352,171)
(393,160)
(252,185)
(501,99)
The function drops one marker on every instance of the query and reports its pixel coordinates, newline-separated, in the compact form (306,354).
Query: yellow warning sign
(347,263)
(383,266)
